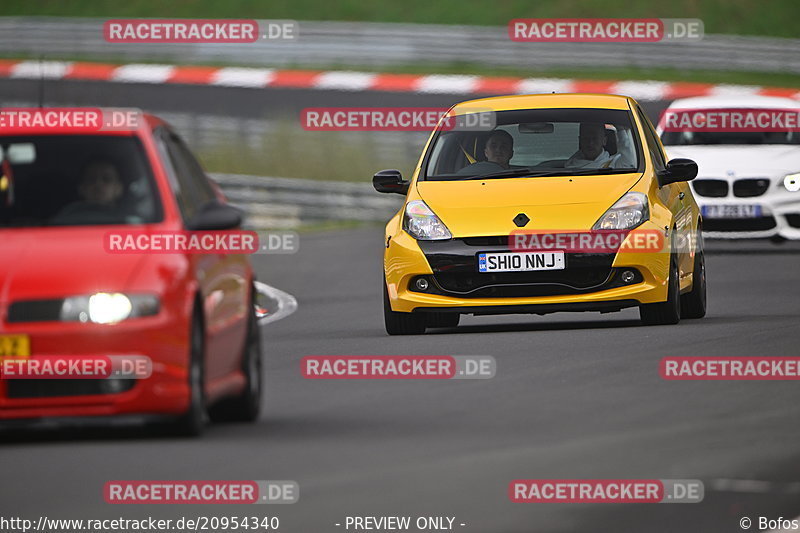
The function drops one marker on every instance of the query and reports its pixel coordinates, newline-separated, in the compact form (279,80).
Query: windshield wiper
(510,173)
(592,171)
(518,172)
(535,173)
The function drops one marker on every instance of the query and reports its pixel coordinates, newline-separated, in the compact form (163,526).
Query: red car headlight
(108,307)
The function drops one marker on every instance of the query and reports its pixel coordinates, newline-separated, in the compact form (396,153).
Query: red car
(62,190)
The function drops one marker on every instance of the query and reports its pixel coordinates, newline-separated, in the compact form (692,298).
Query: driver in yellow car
(499,148)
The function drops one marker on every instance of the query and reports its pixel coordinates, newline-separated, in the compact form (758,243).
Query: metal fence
(285,203)
(207,133)
(346,44)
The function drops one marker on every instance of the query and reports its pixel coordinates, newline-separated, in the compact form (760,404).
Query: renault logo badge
(521,220)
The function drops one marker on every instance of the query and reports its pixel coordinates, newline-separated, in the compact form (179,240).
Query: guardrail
(270,202)
(348,44)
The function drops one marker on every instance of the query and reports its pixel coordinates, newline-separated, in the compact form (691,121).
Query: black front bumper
(534,309)
(455,272)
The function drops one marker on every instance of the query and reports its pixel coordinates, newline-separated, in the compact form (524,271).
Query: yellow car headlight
(627,213)
(422,223)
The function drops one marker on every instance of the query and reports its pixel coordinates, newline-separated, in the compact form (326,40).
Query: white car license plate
(520,261)
(731,211)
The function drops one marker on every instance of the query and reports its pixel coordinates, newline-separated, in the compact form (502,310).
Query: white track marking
(41,69)
(243,77)
(141,73)
(287,304)
(455,84)
(544,85)
(646,91)
(345,81)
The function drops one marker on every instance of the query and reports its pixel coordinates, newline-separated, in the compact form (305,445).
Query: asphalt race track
(575,396)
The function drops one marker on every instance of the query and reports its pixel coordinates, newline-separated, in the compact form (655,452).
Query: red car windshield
(75,180)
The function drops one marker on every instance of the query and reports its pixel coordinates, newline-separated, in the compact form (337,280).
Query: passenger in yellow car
(591,149)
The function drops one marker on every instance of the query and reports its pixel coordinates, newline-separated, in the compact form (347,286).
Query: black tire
(193,422)
(442,320)
(246,406)
(693,303)
(401,323)
(668,312)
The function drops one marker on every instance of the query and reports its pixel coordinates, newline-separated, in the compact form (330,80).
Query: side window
(176,173)
(652,141)
(191,186)
(202,188)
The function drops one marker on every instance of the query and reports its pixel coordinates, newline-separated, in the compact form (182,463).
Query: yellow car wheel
(693,304)
(669,312)
(401,323)
(443,320)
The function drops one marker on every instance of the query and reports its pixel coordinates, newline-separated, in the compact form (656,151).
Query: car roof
(153,121)
(547,101)
(732,102)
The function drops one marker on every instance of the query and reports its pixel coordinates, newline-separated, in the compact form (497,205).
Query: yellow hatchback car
(566,202)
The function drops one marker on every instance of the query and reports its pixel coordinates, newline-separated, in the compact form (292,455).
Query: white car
(748,185)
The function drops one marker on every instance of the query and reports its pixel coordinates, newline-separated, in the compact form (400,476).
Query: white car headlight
(423,224)
(108,307)
(627,213)
(792,182)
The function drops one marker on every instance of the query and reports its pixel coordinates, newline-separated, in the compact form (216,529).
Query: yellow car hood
(471,208)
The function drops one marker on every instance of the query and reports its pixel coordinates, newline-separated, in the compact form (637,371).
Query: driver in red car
(100,188)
